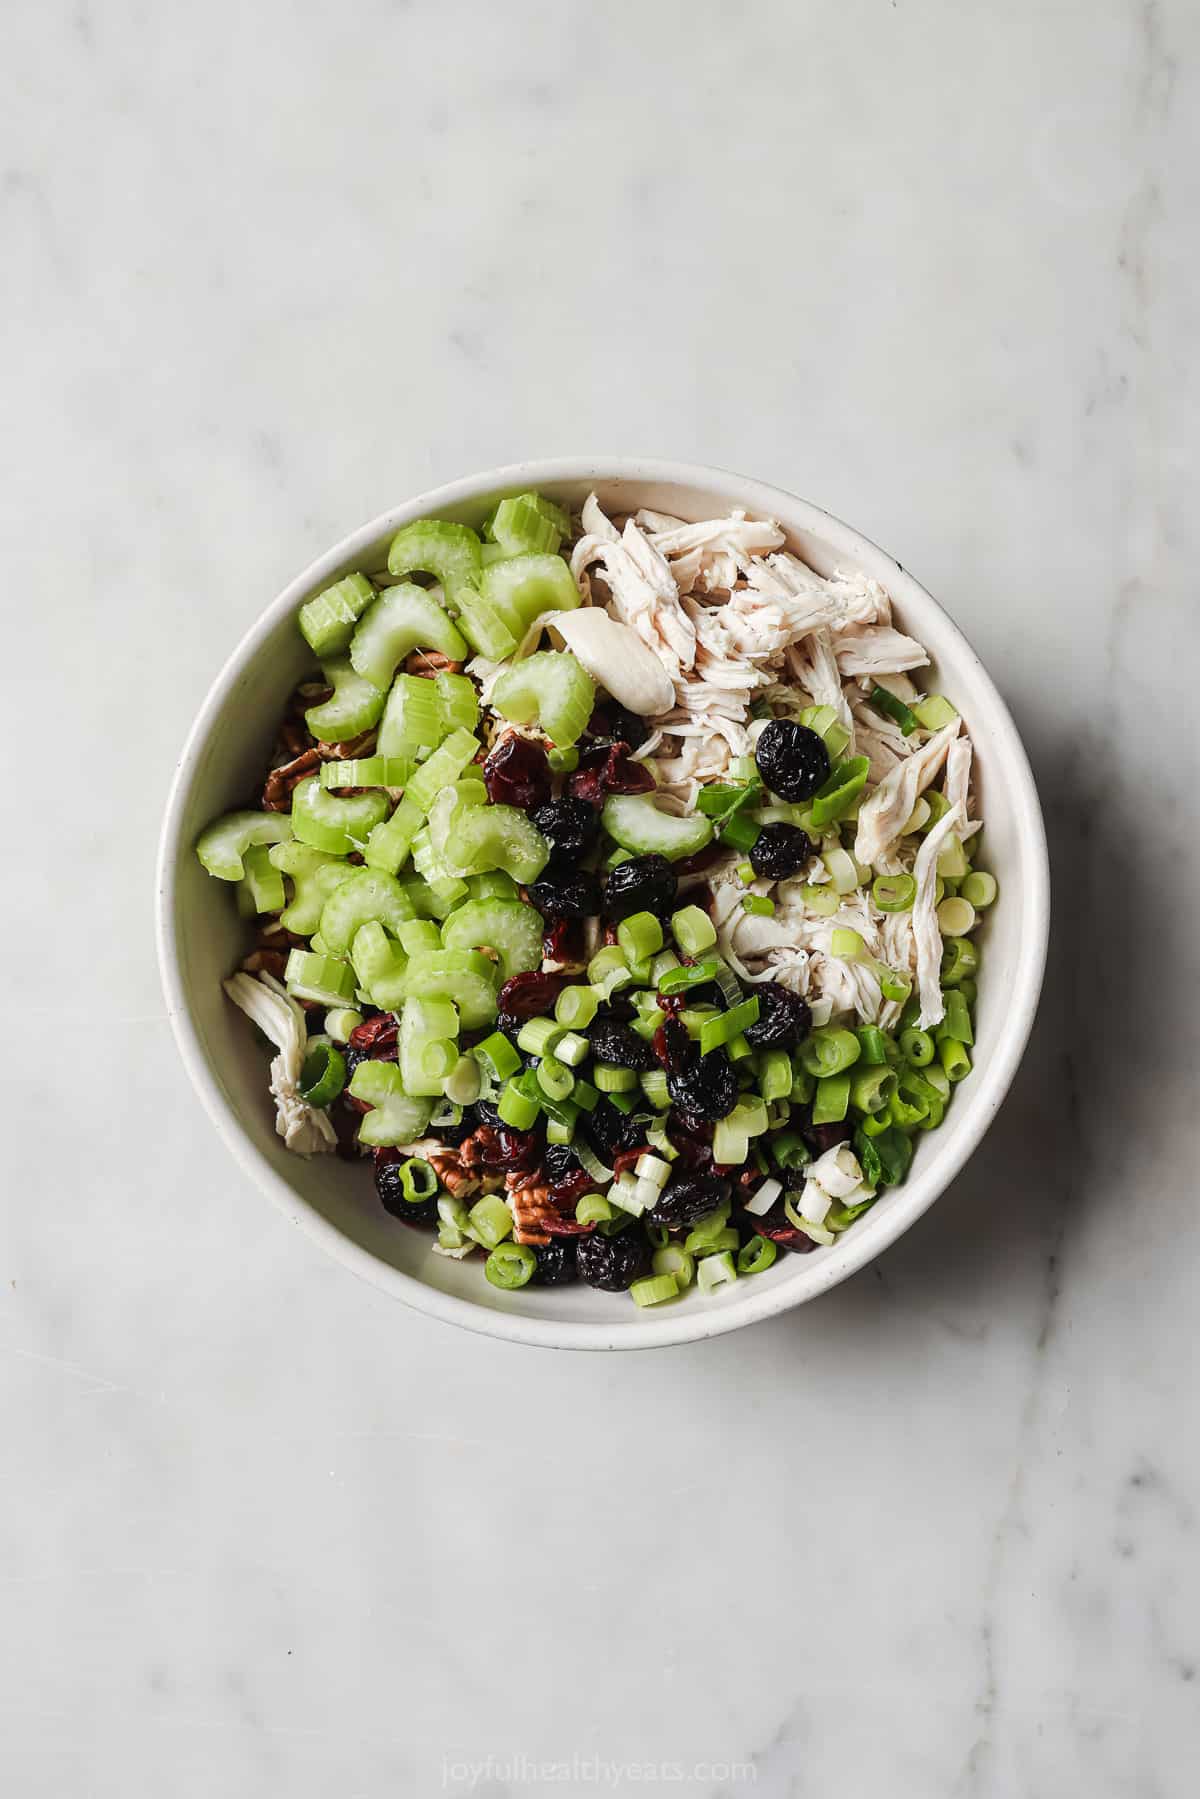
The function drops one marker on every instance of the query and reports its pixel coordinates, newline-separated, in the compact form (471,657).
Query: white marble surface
(268,268)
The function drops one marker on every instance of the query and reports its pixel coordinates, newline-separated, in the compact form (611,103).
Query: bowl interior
(202,938)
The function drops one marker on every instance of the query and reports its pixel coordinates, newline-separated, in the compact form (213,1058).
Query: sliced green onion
(654,1289)
(593,1208)
(846,944)
(464,1083)
(871,1089)
(585,1096)
(917,1047)
(571,1049)
(725,1026)
(715,1271)
(498,1056)
(740,832)
(823,901)
(957,1020)
(538,1036)
(671,1259)
(678,980)
(511,1265)
(938,1079)
(967,988)
(490,1220)
(979,889)
(934,712)
(843,870)
(417,1180)
(745,873)
(893,985)
(828,726)
(555,1078)
(758,905)
(731,1145)
(611,1079)
(517,1109)
(774,1074)
(960,961)
(640,936)
(955,1060)
(340,1021)
(880,699)
(607,961)
(756,1256)
(654,1086)
(894,893)
(666,959)
(952,861)
(828,1051)
(832,1099)
(576,1007)
(834,798)
(955,917)
(790,1150)
(323,1075)
(917,819)
(693,930)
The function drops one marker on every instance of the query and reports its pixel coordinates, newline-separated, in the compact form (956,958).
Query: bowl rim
(675,1325)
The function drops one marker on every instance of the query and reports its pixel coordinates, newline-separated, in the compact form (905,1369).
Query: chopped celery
(380,965)
(470,840)
(314,875)
(389,843)
(433,546)
(333,822)
(443,767)
(550,689)
(483,626)
(327,621)
(367,894)
(263,884)
(636,823)
(425,1024)
(413,718)
(490,1220)
(222,845)
(463,976)
(519,588)
(459,701)
(367,771)
(495,884)
(934,712)
(418,935)
(521,527)
(321,978)
(403,619)
(652,1290)
(509,927)
(396,1117)
(354,706)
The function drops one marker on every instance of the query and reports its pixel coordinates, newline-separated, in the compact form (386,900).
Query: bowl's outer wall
(201,938)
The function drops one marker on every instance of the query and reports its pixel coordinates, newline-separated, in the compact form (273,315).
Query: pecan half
(453,1176)
(362,745)
(277,794)
(431,662)
(531,1206)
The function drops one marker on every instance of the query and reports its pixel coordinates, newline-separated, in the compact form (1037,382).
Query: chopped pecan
(431,663)
(277,794)
(453,1176)
(362,745)
(273,935)
(294,739)
(531,1206)
(266,961)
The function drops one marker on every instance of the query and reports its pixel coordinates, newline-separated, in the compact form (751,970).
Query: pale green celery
(367,771)
(327,621)
(442,769)
(464,977)
(222,845)
(321,978)
(427,1024)
(380,965)
(459,701)
(396,1117)
(389,843)
(521,528)
(367,894)
(263,884)
(403,619)
(332,822)
(355,705)
(419,935)
(471,840)
(413,718)
(520,588)
(314,875)
(509,927)
(636,823)
(550,689)
(934,712)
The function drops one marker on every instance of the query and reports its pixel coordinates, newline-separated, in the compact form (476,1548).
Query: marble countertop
(269,269)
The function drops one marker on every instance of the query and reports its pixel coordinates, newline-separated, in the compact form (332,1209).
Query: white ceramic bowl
(201,939)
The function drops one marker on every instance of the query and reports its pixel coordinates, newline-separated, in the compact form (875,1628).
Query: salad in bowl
(615,887)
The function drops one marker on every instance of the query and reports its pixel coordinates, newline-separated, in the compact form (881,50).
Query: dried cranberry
(529,995)
(791,759)
(555,1264)
(705,1087)
(672,1045)
(687,1198)
(521,1150)
(566,893)
(570,826)
(776,1225)
(783,1018)
(820,1137)
(566,1192)
(640,884)
(613,1263)
(694,1143)
(375,1038)
(780,851)
(613,723)
(615,1042)
(609,1130)
(517,773)
(608,769)
(563,942)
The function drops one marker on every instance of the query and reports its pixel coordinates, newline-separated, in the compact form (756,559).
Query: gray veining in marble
(268,269)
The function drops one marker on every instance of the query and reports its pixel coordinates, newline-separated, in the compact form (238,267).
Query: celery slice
(380,965)
(403,619)
(327,622)
(263,885)
(483,626)
(396,1117)
(635,822)
(353,708)
(321,978)
(314,875)
(493,885)
(423,1024)
(471,840)
(550,689)
(368,894)
(222,845)
(460,702)
(389,843)
(444,766)
(465,978)
(413,717)
(521,587)
(367,771)
(333,822)
(436,547)
(509,927)
(520,527)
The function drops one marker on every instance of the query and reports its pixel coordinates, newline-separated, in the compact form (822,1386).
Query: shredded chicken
(884,815)
(303,1128)
(877,650)
(926,934)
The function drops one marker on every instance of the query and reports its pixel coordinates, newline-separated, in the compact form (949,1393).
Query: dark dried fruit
(608,769)
(613,723)
(391,1195)
(791,759)
(820,1137)
(694,1143)
(517,773)
(555,1263)
(528,996)
(563,942)
(569,826)
(559,1160)
(566,891)
(780,851)
(689,1197)
(613,1263)
(776,1225)
(609,1130)
(784,1019)
(375,1038)
(705,1087)
(642,884)
(567,1192)
(617,1043)
(672,1046)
